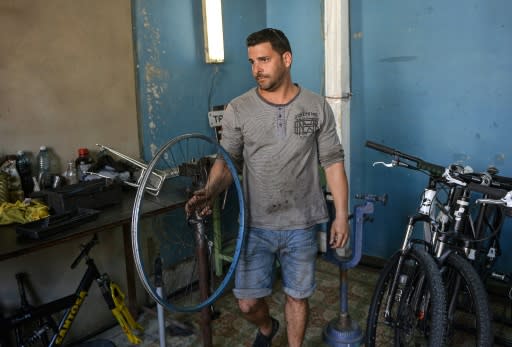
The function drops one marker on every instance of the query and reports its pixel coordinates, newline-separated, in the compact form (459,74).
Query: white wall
(67,81)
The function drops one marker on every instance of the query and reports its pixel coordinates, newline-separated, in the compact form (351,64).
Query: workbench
(118,215)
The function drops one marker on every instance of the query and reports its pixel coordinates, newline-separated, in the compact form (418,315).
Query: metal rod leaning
(157,176)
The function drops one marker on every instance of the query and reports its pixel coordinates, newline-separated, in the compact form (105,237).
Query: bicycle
(46,325)
(473,228)
(478,225)
(459,277)
(415,312)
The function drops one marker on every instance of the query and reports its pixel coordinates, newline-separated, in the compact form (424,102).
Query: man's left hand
(339,233)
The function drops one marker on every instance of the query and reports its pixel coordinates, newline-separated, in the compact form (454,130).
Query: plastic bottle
(25,171)
(70,175)
(43,166)
(4,187)
(83,163)
(14,181)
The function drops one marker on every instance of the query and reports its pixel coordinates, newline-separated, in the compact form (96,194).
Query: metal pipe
(157,176)
(160,293)
(203,268)
(343,291)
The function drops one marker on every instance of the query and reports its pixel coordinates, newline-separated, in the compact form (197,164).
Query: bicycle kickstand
(123,315)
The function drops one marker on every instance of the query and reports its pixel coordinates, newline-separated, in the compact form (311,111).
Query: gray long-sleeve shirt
(280,147)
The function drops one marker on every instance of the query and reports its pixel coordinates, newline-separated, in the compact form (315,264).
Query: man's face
(269,68)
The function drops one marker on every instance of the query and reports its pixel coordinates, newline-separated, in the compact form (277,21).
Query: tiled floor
(230,330)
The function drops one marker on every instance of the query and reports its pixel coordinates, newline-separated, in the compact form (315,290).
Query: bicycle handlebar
(486,183)
(381,148)
(491,192)
(433,169)
(85,250)
(495,186)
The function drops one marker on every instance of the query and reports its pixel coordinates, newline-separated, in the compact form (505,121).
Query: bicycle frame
(77,299)
(466,232)
(72,303)
(460,228)
(456,235)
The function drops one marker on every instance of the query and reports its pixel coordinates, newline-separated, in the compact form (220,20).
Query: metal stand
(203,267)
(343,331)
(160,309)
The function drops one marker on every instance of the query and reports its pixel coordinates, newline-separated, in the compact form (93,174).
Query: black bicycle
(469,218)
(467,302)
(49,323)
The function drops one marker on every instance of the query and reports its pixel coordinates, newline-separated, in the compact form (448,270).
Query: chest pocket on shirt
(306,124)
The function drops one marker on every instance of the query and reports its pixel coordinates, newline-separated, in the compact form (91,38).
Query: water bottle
(13,181)
(24,168)
(4,187)
(43,165)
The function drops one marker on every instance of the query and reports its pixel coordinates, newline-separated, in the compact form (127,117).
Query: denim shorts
(296,251)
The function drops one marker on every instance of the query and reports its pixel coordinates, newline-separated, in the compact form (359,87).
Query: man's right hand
(200,203)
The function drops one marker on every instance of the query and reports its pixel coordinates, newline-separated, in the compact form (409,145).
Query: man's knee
(248,306)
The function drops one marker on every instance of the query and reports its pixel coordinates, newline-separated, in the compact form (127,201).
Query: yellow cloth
(21,212)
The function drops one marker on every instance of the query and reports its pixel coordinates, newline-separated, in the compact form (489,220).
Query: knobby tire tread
(437,312)
(478,296)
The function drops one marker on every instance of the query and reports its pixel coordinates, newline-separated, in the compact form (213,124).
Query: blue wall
(434,79)
(175,87)
(302,22)
(429,77)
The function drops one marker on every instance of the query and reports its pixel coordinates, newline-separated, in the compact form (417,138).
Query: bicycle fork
(115,300)
(113,296)
(401,278)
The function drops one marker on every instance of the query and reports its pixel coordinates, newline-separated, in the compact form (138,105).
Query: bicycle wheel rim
(391,331)
(137,215)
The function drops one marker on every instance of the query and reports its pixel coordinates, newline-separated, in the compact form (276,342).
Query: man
(279,132)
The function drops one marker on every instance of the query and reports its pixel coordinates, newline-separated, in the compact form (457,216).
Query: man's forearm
(338,186)
(219,178)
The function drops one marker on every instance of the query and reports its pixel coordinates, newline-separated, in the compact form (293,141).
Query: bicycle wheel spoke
(186,247)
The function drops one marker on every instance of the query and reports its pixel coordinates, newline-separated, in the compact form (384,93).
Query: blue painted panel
(175,88)
(302,22)
(431,78)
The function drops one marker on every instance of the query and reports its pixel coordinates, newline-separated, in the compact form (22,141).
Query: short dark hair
(275,37)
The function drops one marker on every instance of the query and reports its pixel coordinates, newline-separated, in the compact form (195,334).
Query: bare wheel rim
(185,159)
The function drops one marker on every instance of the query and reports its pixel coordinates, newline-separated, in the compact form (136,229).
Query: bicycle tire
(183,152)
(423,282)
(468,306)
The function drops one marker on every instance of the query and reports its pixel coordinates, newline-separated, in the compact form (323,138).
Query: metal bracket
(450,179)
(157,176)
(346,96)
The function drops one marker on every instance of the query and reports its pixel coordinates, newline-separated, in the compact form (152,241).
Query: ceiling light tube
(212,27)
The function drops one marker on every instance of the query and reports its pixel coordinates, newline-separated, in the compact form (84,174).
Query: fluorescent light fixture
(212,27)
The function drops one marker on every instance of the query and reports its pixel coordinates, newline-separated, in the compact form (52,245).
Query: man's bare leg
(256,311)
(296,313)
